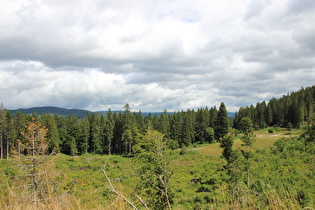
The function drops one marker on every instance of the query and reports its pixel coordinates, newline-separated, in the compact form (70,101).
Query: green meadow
(281,177)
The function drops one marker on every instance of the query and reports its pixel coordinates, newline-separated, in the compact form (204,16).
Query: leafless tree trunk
(118,193)
(1,144)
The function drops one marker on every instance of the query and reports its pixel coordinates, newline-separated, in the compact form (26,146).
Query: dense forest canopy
(116,132)
(291,110)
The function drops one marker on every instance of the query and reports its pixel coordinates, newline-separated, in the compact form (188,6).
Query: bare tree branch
(113,189)
(145,205)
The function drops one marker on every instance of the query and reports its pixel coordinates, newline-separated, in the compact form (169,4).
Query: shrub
(183,151)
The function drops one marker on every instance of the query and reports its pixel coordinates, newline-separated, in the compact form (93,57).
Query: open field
(263,140)
(78,183)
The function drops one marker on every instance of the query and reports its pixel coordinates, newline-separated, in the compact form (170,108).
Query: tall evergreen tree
(2,129)
(222,123)
(109,130)
(95,133)
(188,134)
(85,134)
(11,135)
(70,145)
(201,125)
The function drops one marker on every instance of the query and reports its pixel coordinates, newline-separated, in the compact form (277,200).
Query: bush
(270,130)
(183,151)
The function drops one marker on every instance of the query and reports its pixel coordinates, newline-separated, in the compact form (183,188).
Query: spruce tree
(222,123)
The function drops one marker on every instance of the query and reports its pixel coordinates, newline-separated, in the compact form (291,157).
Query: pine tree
(52,135)
(222,123)
(109,130)
(10,133)
(201,125)
(70,145)
(2,129)
(95,133)
(85,134)
(188,134)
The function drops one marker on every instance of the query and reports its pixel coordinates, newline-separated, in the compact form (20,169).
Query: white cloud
(174,54)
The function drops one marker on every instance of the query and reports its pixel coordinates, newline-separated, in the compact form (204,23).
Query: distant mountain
(81,113)
(53,110)
(145,114)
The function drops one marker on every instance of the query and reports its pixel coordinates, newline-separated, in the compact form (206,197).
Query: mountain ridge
(79,112)
(53,110)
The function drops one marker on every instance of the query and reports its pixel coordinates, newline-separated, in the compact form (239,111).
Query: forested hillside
(234,168)
(117,132)
(291,110)
(53,110)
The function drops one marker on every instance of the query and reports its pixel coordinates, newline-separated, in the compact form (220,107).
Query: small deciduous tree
(154,169)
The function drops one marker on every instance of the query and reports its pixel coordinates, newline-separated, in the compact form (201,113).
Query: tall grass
(277,181)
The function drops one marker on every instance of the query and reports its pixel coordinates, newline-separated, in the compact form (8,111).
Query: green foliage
(309,135)
(227,143)
(293,109)
(210,135)
(154,169)
(246,127)
(277,180)
(183,151)
(222,123)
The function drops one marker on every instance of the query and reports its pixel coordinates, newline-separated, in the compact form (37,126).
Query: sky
(154,55)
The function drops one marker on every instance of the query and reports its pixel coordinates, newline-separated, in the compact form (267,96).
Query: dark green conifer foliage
(210,135)
(295,108)
(117,145)
(95,134)
(128,126)
(227,144)
(202,121)
(222,123)
(84,134)
(109,131)
(10,134)
(20,123)
(213,113)
(70,145)
(188,134)
(309,135)
(2,130)
(164,124)
(176,127)
(52,132)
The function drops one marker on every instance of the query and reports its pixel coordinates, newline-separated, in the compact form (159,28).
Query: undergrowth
(281,177)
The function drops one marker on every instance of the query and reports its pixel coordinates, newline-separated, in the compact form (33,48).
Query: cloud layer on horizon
(171,55)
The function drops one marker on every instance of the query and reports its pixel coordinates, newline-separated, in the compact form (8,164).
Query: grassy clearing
(263,140)
(199,180)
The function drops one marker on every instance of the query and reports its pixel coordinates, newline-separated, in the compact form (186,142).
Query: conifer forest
(262,158)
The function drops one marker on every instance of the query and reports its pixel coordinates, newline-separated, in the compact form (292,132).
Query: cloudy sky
(173,54)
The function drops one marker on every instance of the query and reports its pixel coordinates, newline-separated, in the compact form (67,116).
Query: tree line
(291,110)
(118,132)
(113,132)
